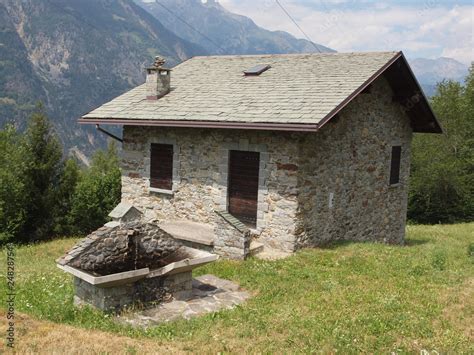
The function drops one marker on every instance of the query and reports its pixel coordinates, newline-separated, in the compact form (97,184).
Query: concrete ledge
(196,258)
(255,248)
(111,280)
(194,232)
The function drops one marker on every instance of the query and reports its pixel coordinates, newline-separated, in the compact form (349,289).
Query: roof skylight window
(257,70)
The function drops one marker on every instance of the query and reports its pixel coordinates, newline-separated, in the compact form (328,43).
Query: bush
(470,251)
(439,260)
(97,193)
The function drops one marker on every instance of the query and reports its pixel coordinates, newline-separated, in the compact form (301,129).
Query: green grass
(352,297)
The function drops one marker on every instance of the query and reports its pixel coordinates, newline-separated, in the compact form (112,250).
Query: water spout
(136,251)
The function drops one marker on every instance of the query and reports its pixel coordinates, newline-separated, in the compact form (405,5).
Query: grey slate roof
(298,89)
(122,209)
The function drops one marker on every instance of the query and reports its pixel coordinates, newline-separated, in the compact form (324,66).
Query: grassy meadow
(349,297)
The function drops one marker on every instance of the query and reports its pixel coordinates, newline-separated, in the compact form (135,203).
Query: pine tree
(64,197)
(43,172)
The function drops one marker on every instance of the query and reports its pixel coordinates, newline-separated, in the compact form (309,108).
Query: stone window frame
(147,162)
(394,143)
(224,154)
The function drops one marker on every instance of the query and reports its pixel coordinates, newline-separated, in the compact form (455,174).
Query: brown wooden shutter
(161,166)
(243,185)
(395,165)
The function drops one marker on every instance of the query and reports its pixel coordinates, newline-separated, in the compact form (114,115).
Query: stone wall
(344,190)
(232,237)
(200,177)
(144,292)
(179,285)
(347,162)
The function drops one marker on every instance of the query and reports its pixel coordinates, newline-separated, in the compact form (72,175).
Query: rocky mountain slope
(74,56)
(222,32)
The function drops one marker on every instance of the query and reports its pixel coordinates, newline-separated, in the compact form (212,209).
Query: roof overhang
(204,124)
(407,92)
(406,89)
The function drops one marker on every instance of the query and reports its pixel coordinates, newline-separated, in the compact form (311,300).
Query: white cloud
(464,55)
(431,29)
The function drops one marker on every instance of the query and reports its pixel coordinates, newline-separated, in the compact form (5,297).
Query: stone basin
(185,259)
(121,265)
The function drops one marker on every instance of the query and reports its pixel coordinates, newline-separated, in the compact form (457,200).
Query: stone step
(255,248)
(191,234)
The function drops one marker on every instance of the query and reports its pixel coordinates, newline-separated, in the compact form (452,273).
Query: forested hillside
(442,173)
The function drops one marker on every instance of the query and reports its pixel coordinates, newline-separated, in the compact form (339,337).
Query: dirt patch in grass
(459,310)
(34,336)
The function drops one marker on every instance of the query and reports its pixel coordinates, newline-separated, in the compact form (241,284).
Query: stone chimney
(157,80)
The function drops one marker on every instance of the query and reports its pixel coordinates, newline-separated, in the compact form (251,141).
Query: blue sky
(425,28)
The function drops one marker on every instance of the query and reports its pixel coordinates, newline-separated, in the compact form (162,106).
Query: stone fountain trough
(131,264)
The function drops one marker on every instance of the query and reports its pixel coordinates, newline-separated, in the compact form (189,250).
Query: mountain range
(219,31)
(74,55)
(429,72)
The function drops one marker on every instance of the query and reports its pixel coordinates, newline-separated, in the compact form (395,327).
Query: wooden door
(243,185)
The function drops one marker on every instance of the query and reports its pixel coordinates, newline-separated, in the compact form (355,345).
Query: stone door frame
(224,154)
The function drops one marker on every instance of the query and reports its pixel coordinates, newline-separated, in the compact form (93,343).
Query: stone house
(280,152)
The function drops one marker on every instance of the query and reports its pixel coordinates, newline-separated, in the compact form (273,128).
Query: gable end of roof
(408,93)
